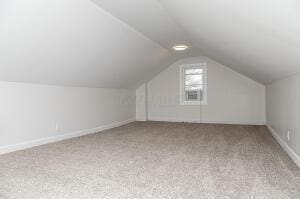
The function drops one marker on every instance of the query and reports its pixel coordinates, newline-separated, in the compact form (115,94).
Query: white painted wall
(232,97)
(141,103)
(30,112)
(283,109)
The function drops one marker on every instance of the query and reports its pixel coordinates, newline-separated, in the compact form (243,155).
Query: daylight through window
(193,88)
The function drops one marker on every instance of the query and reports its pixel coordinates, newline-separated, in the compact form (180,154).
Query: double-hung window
(193,86)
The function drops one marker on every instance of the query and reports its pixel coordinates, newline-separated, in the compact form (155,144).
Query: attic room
(149,99)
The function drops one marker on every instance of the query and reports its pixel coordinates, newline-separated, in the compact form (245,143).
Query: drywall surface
(141,103)
(283,108)
(65,42)
(31,112)
(255,38)
(232,97)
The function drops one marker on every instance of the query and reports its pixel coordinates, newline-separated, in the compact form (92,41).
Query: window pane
(194,87)
(193,71)
(193,79)
(192,95)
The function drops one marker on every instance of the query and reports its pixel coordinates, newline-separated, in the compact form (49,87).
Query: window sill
(196,103)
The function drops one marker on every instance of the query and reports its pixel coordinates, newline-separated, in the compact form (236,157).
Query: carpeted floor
(154,160)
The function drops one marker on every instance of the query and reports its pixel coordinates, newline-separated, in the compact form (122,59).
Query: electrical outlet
(56,127)
(288,135)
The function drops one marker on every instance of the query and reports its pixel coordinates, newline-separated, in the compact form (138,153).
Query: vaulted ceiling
(122,43)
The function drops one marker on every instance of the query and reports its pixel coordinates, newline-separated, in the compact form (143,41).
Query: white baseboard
(141,119)
(293,155)
(165,119)
(47,140)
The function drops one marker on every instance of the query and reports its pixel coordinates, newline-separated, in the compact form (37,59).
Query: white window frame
(182,86)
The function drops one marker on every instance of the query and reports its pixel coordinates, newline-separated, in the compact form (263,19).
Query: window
(193,86)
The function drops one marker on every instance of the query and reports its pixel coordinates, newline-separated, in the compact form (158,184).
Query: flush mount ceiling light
(180,47)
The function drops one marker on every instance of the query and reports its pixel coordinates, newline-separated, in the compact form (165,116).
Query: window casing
(193,84)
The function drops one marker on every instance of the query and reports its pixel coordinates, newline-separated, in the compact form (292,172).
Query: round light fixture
(180,47)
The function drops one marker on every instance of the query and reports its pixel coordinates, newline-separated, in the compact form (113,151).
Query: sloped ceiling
(122,43)
(259,38)
(74,43)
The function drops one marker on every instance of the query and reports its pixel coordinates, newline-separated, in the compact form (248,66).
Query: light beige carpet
(154,160)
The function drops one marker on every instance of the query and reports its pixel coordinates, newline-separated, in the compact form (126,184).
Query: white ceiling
(122,43)
(74,43)
(148,17)
(259,38)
